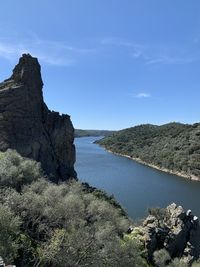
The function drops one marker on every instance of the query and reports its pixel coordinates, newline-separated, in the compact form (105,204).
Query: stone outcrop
(29,127)
(171,229)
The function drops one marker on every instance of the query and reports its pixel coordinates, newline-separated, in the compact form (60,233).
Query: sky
(109,64)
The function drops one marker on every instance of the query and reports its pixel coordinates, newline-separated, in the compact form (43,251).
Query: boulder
(174,231)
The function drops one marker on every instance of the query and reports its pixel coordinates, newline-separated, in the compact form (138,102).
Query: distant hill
(172,147)
(84,133)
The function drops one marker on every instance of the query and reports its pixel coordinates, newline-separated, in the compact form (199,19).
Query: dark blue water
(135,186)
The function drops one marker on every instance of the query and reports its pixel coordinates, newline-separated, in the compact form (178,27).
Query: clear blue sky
(110,64)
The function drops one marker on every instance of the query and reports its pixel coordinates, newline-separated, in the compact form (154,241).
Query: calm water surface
(135,186)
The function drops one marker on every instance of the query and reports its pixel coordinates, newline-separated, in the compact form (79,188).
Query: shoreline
(177,173)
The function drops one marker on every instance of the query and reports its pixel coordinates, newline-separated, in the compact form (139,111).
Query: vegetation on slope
(85,133)
(44,224)
(70,224)
(173,146)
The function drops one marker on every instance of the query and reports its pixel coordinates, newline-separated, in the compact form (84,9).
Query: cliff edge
(171,229)
(29,127)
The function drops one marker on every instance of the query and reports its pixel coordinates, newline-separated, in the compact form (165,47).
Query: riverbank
(180,174)
(135,186)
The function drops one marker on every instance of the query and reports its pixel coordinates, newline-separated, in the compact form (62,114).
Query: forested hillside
(172,146)
(84,133)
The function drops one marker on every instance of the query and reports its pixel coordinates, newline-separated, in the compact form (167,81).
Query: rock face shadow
(28,126)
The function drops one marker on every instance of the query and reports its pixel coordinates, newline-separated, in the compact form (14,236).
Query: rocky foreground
(28,126)
(172,229)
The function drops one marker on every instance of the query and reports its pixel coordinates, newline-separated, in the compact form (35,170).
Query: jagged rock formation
(173,230)
(28,126)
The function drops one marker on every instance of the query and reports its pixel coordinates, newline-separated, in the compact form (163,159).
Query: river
(135,186)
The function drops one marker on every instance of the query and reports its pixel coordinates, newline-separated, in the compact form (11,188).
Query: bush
(159,213)
(196,264)
(161,257)
(178,263)
(64,225)
(9,234)
(16,171)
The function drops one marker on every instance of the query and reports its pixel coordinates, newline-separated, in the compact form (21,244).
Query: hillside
(70,224)
(73,224)
(85,133)
(173,147)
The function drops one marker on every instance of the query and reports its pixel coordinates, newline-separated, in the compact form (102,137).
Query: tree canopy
(173,146)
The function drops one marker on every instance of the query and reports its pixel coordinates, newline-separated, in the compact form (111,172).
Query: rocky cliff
(28,126)
(172,229)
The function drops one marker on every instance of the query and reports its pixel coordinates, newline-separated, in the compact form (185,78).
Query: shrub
(196,264)
(161,257)
(9,234)
(177,263)
(159,213)
(64,225)
(16,171)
